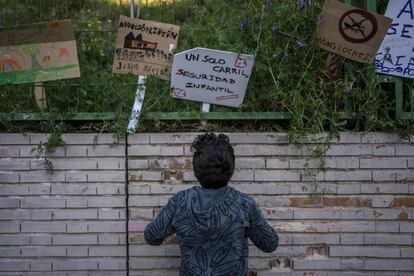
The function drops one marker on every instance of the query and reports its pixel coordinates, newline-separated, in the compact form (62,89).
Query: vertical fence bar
(371,5)
(131,9)
(399,98)
(1,12)
(348,103)
(16,17)
(139,6)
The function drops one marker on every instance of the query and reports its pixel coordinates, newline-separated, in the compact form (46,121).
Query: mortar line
(126,206)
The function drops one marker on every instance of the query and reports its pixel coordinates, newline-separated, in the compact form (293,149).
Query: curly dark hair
(213,160)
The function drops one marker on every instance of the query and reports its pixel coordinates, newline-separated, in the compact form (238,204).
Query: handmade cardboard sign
(42,52)
(350,32)
(396,53)
(211,76)
(145,47)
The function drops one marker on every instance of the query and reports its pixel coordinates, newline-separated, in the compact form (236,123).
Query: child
(212,222)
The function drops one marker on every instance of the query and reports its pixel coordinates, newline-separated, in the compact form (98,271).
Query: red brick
(347,201)
(305,201)
(403,202)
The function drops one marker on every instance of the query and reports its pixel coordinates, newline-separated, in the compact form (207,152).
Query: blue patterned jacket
(212,227)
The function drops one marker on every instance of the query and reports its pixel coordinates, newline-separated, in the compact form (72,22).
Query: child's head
(213,160)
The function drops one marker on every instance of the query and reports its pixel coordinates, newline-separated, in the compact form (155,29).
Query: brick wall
(68,223)
(73,223)
(362,226)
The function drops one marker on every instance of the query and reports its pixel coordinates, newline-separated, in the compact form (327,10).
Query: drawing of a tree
(32,50)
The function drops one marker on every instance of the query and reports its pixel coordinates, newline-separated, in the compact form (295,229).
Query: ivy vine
(289,74)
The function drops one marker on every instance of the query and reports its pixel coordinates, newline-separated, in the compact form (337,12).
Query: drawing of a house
(132,42)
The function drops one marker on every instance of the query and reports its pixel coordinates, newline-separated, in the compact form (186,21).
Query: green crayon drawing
(34,75)
(32,50)
(37,62)
(40,60)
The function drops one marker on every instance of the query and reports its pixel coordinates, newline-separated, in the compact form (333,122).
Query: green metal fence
(20,12)
(17,12)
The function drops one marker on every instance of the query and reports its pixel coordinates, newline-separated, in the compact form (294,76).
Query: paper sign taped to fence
(350,32)
(396,53)
(211,76)
(145,47)
(40,52)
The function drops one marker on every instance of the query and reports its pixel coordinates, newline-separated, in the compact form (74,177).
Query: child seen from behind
(212,222)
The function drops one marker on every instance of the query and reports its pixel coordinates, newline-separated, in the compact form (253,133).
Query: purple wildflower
(301,44)
(242,25)
(275,31)
(303,4)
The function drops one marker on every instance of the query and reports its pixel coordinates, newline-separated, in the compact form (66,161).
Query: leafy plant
(289,74)
(43,150)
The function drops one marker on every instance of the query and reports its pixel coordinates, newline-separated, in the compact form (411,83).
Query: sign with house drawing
(145,47)
(39,52)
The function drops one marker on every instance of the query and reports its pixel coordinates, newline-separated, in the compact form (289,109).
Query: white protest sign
(211,76)
(396,53)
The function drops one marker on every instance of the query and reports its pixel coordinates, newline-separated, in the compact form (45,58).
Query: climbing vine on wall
(289,74)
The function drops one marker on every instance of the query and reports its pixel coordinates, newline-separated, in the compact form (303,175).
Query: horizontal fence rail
(12,13)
